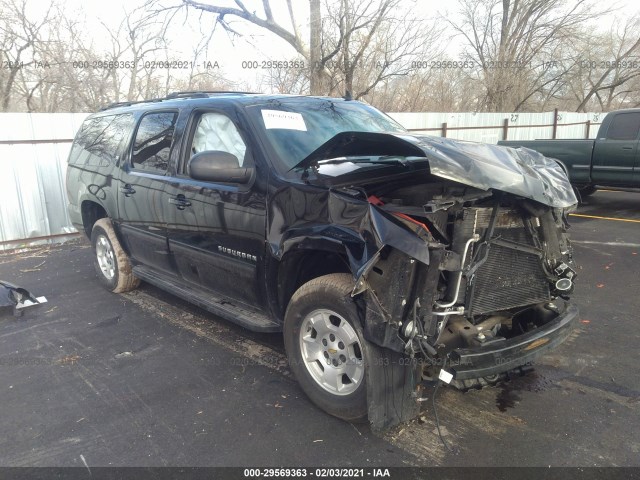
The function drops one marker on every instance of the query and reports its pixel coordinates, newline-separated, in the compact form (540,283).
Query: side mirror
(217,166)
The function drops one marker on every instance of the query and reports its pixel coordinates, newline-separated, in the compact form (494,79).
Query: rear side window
(101,140)
(625,126)
(152,145)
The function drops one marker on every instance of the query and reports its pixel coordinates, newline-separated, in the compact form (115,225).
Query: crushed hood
(520,171)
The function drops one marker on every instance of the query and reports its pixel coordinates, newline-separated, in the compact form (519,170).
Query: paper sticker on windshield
(285,120)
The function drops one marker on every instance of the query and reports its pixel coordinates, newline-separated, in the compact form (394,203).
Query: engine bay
(501,267)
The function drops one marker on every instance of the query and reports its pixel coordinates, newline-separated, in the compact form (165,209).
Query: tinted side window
(101,140)
(625,126)
(152,144)
(215,131)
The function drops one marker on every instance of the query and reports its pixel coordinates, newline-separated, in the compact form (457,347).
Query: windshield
(297,127)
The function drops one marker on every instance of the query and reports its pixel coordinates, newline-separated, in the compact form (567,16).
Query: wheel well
(298,268)
(91,213)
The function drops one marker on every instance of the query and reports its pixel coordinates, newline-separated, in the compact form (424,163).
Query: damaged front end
(483,286)
(460,256)
(492,297)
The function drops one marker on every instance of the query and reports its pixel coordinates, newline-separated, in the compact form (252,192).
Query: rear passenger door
(216,231)
(95,156)
(140,189)
(616,154)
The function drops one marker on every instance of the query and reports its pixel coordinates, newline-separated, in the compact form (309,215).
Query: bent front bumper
(466,363)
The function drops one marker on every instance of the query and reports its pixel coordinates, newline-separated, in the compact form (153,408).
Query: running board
(216,304)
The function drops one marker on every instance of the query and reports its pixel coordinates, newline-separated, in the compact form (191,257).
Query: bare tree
(316,72)
(21,36)
(64,71)
(366,42)
(291,78)
(515,42)
(138,51)
(289,33)
(519,55)
(59,81)
(427,90)
(607,64)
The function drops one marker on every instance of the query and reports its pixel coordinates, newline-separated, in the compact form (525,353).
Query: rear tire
(110,260)
(326,347)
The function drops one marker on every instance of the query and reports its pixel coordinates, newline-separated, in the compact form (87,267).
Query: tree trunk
(315,69)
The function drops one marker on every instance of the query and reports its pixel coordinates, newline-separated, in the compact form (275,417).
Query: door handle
(180,202)
(627,148)
(127,190)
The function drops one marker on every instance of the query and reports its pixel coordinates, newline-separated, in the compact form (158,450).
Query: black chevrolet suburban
(385,258)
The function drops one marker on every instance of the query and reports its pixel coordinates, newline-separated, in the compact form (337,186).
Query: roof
(178,99)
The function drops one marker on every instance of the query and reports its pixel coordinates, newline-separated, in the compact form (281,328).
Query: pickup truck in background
(611,160)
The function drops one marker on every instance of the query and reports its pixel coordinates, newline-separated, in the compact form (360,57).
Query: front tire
(326,347)
(110,260)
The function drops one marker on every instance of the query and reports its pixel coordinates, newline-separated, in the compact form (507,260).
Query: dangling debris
(14,299)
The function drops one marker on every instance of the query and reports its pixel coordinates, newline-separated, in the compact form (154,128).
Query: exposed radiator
(508,278)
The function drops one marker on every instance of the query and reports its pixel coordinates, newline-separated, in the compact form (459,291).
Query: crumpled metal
(299,218)
(519,171)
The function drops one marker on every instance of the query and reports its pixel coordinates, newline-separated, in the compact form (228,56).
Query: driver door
(216,231)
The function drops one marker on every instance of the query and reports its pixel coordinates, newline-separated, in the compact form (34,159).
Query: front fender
(301,217)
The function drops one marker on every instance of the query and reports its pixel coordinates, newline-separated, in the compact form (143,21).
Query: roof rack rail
(129,103)
(206,93)
(174,95)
